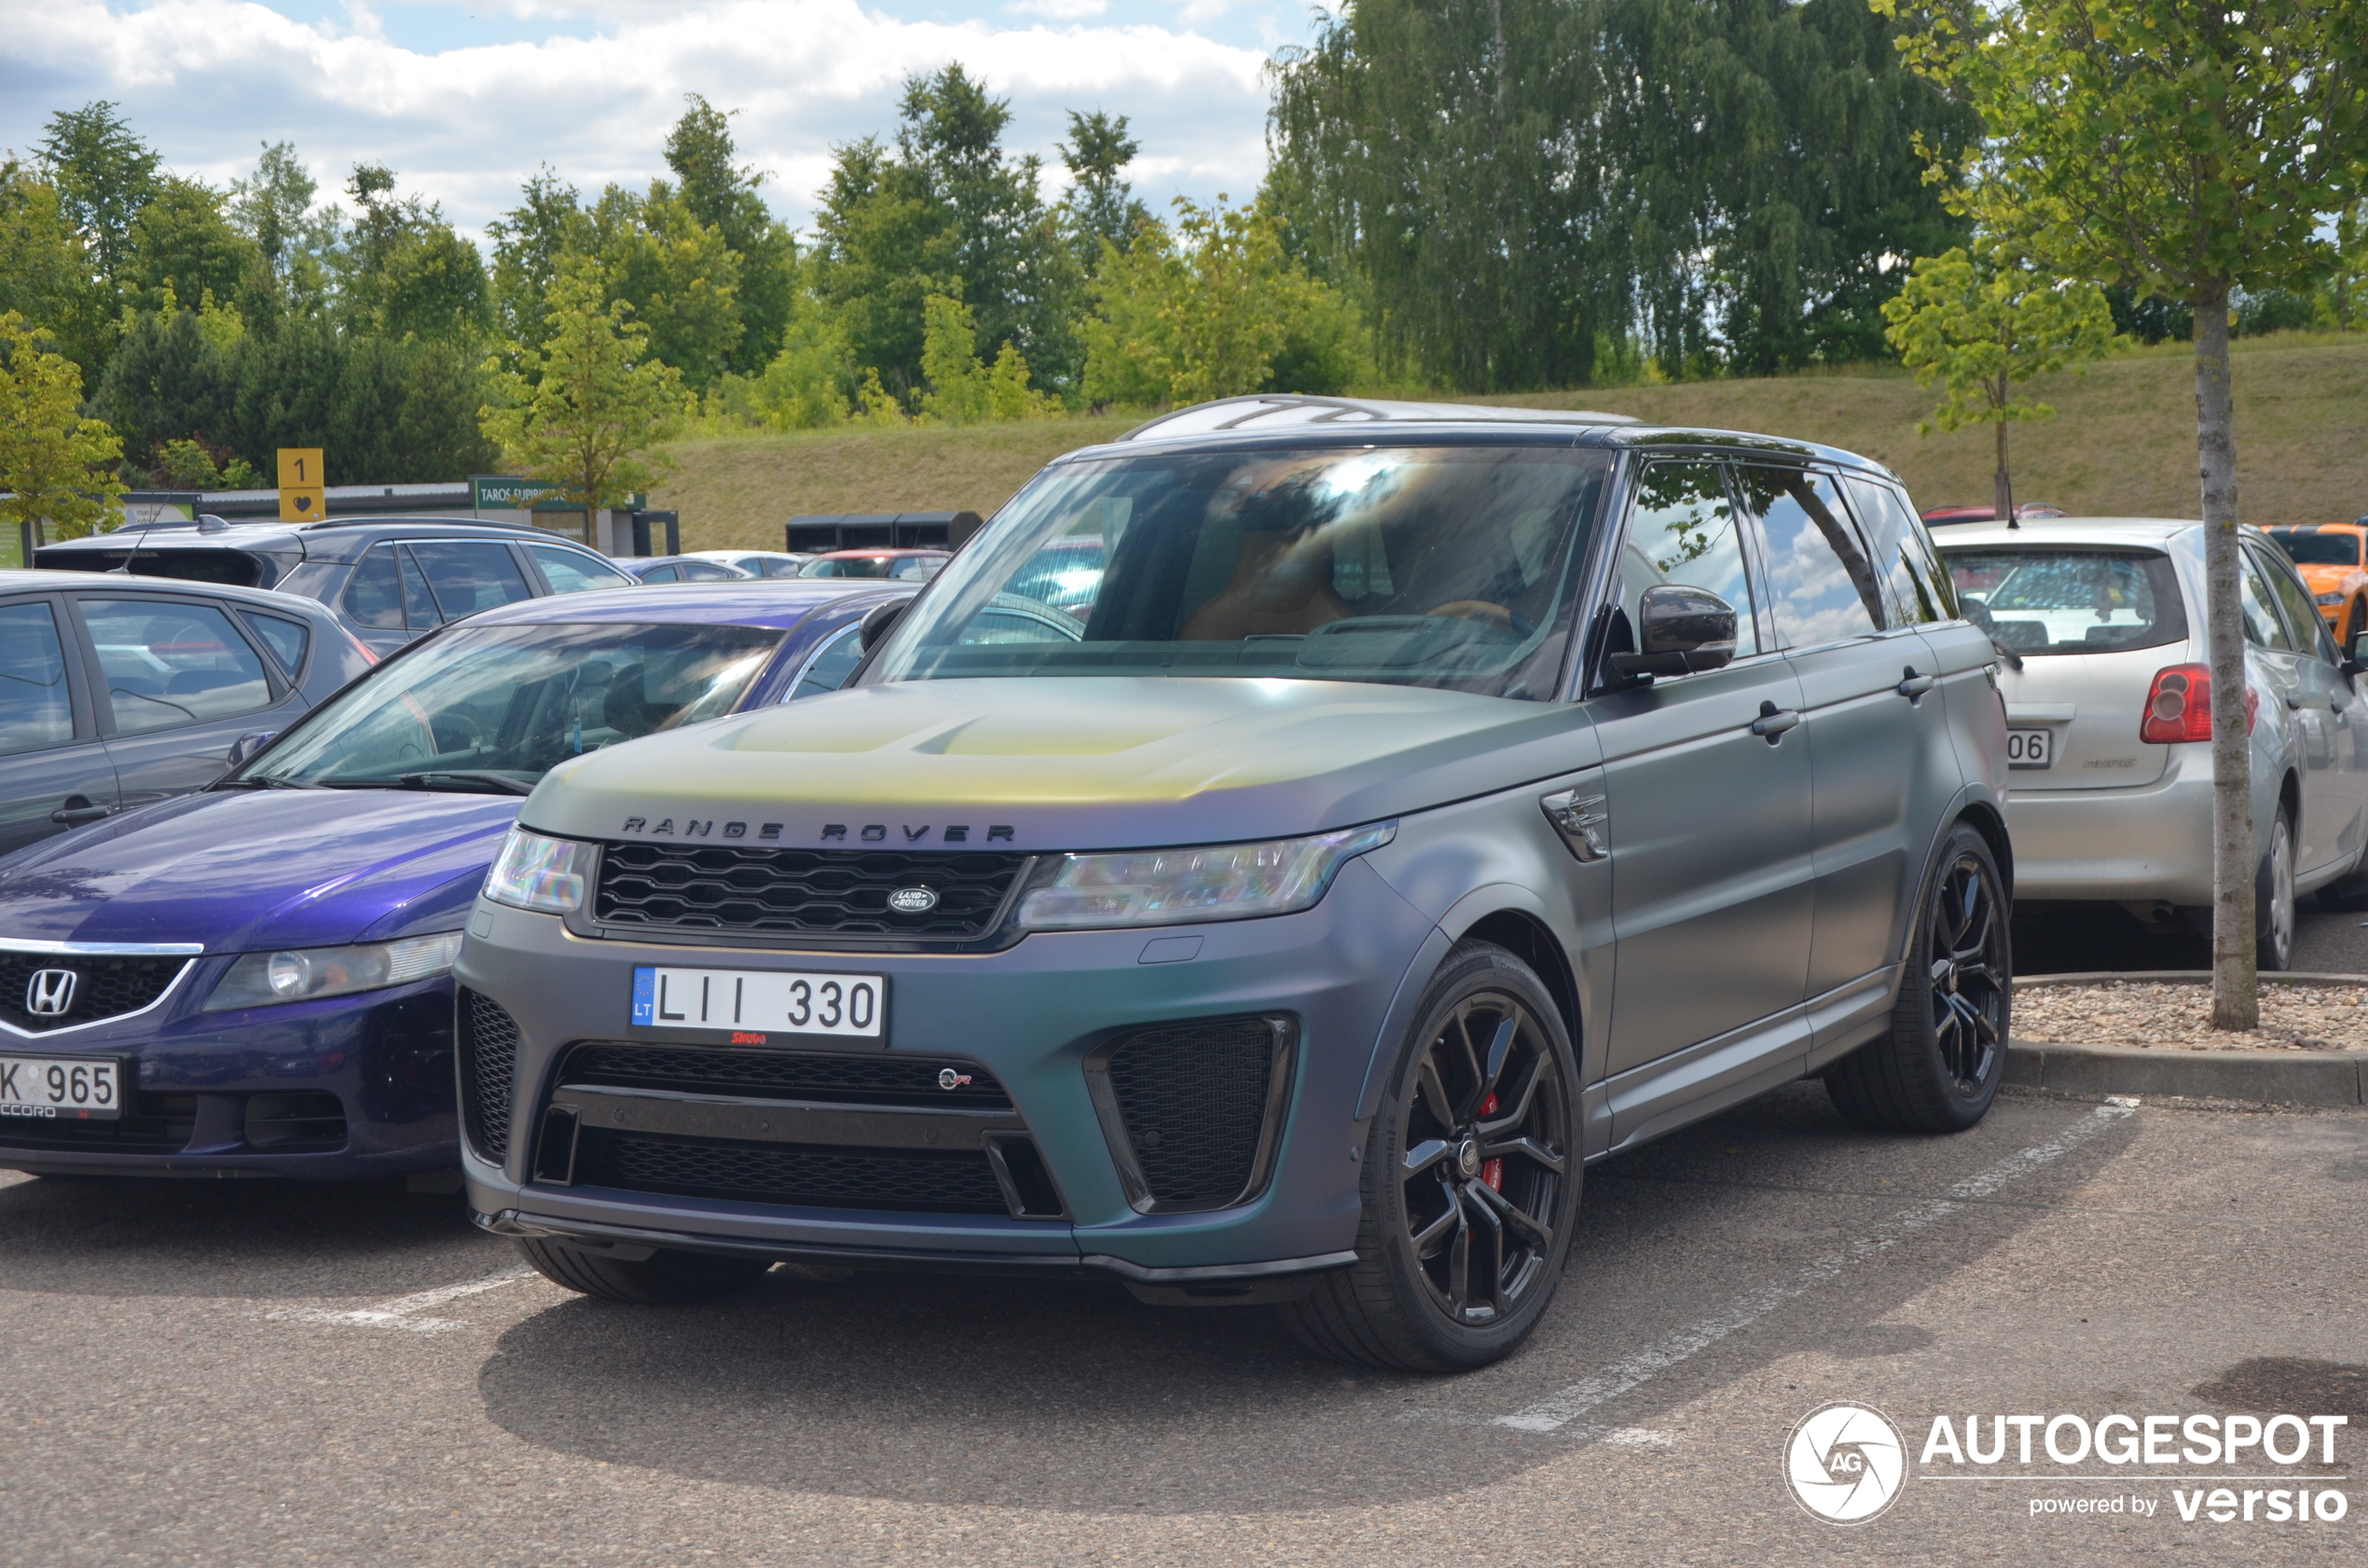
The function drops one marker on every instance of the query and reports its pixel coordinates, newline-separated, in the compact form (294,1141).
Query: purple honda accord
(257,978)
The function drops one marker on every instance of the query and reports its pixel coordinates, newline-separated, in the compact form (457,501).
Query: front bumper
(1032,1015)
(386,1058)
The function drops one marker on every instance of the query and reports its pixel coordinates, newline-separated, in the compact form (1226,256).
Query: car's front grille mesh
(876,1078)
(104,987)
(488,1042)
(1193,1098)
(813,894)
(806,1177)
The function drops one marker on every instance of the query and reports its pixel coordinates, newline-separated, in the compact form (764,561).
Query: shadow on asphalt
(131,1236)
(1020,1393)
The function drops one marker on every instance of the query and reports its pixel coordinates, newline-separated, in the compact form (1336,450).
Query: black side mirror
(2356,657)
(247,746)
(878,624)
(1679,630)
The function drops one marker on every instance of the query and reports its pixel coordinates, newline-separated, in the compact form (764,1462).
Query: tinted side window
(1822,585)
(286,639)
(35,708)
(658,575)
(2309,628)
(467,576)
(1903,555)
(171,664)
(832,666)
(2259,604)
(571,573)
(705,571)
(375,596)
(1681,529)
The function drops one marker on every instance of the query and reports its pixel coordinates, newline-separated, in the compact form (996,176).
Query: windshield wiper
(463,778)
(459,783)
(259,783)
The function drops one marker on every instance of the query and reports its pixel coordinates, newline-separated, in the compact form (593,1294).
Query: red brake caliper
(1492,1170)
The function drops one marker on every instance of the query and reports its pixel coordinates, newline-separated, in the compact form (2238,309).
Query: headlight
(2331,599)
(543,874)
(303,973)
(1168,887)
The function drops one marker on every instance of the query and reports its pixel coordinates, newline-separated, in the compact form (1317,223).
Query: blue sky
(465,98)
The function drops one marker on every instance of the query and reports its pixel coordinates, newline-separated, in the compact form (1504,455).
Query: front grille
(1193,1100)
(876,1079)
(104,987)
(807,894)
(489,1042)
(156,1124)
(805,1176)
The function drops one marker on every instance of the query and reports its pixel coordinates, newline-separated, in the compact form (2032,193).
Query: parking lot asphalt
(261,1373)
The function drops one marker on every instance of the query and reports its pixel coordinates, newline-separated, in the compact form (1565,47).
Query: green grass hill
(2123,443)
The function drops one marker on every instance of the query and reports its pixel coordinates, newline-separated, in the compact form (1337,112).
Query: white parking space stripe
(401,1312)
(1558,1410)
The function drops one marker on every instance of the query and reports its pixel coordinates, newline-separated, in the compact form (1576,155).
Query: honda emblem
(50,993)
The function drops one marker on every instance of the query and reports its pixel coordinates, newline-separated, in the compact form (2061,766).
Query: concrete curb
(2305,1078)
(2188,977)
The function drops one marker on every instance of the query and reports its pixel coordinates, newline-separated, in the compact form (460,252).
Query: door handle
(1773,721)
(70,815)
(1915,685)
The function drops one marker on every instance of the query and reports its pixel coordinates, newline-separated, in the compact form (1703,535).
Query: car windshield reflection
(492,710)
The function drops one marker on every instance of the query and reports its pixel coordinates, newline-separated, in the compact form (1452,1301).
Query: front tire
(1470,1181)
(1940,1067)
(664,1279)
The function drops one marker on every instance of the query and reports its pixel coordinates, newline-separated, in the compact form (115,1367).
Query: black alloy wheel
(1470,1183)
(1963,946)
(1938,1068)
(1486,1152)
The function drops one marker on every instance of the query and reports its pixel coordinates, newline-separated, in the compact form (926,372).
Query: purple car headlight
(546,875)
(303,974)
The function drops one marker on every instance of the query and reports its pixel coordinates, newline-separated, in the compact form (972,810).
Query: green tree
(171,380)
(2187,148)
(183,244)
(963,390)
(584,411)
(725,196)
(104,175)
(1100,206)
(45,269)
(273,207)
(402,268)
(530,240)
(1981,323)
(56,465)
(676,273)
(1210,309)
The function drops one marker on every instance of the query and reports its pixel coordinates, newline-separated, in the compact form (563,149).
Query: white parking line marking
(398,1314)
(1558,1410)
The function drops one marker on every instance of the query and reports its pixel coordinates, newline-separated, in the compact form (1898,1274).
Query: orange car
(2331,557)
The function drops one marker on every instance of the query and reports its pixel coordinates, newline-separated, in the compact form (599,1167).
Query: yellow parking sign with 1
(302,494)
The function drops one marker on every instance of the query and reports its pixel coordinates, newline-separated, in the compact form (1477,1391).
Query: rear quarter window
(2070,599)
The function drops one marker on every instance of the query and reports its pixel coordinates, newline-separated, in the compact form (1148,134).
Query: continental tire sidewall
(1451,1344)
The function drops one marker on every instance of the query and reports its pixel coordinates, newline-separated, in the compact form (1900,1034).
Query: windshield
(1425,566)
(2070,600)
(2317,549)
(502,705)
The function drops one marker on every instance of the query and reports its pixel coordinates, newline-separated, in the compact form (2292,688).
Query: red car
(903,566)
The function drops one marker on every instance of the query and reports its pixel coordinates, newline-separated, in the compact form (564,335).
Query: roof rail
(1277,410)
(446,521)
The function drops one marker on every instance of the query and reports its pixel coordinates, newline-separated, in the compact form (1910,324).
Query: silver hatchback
(2100,622)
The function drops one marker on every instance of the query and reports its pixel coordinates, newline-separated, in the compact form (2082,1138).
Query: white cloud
(1059,10)
(208,80)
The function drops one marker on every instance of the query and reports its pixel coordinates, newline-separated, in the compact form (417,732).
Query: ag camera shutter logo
(1846,1463)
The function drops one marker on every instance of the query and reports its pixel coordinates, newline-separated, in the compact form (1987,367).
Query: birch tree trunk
(2002,486)
(2236,997)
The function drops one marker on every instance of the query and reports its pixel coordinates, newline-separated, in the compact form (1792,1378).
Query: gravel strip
(2177,1016)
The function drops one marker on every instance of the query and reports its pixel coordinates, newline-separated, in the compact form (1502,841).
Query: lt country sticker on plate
(760,1002)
